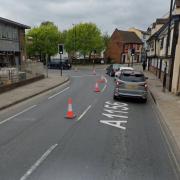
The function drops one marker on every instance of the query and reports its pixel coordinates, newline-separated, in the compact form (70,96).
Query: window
(8,32)
(138,47)
(126,47)
(152,45)
(162,43)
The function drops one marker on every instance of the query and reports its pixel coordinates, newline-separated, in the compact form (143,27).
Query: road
(107,140)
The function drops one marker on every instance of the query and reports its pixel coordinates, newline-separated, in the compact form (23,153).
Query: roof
(143,32)
(177,3)
(10,22)
(155,35)
(162,21)
(129,37)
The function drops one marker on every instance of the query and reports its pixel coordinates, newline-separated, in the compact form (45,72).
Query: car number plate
(130,86)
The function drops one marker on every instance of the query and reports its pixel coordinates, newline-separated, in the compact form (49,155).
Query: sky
(107,14)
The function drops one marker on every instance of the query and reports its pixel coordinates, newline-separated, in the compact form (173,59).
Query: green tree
(84,38)
(43,40)
(106,39)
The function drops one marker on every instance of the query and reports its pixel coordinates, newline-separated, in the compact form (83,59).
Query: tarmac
(169,107)
(167,103)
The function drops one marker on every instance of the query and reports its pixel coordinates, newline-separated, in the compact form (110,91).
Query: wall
(176,71)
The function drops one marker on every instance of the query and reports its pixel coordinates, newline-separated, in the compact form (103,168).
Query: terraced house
(164,49)
(12,43)
(120,46)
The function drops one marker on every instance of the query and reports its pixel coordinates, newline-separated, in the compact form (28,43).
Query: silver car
(131,84)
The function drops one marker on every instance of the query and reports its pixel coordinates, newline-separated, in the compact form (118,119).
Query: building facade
(120,47)
(144,36)
(163,59)
(12,43)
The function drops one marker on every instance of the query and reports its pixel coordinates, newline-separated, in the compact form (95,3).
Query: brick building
(120,46)
(12,43)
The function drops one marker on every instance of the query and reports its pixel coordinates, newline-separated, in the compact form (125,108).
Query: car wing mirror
(146,78)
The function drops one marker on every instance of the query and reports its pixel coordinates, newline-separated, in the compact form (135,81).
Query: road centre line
(38,162)
(105,80)
(25,110)
(58,93)
(81,116)
(104,88)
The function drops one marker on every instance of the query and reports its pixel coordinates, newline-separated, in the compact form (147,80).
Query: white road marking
(8,119)
(104,88)
(105,80)
(112,111)
(39,162)
(80,117)
(111,116)
(58,93)
(117,114)
(115,123)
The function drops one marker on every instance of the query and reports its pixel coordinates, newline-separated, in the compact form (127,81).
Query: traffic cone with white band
(70,114)
(97,88)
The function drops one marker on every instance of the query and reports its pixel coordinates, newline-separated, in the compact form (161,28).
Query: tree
(43,40)
(106,39)
(84,38)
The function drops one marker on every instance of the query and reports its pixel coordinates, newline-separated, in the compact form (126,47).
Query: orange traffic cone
(102,80)
(70,114)
(97,88)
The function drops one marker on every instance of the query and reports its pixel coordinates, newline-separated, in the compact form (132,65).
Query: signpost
(132,54)
(60,49)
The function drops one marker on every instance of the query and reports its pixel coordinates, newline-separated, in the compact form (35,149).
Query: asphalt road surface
(107,140)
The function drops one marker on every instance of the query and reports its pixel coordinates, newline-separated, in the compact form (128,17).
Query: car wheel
(144,100)
(115,97)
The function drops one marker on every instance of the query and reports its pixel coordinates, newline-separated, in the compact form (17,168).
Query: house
(164,59)
(144,36)
(12,43)
(120,46)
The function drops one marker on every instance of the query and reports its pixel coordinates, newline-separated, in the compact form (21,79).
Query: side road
(20,94)
(169,107)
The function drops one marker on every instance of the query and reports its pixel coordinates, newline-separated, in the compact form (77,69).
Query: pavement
(22,93)
(108,140)
(169,107)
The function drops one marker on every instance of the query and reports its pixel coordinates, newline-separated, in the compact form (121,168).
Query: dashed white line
(80,117)
(105,79)
(38,162)
(8,119)
(104,88)
(58,93)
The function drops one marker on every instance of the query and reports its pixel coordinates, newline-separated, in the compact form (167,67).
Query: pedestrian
(144,64)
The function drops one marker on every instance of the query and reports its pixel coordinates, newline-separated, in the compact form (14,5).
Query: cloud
(108,15)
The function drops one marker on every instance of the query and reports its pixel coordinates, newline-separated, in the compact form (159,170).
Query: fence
(26,71)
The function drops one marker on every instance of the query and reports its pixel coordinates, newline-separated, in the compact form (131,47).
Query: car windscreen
(58,61)
(132,77)
(116,66)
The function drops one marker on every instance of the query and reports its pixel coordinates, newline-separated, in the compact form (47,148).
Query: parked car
(111,70)
(56,64)
(118,73)
(131,84)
